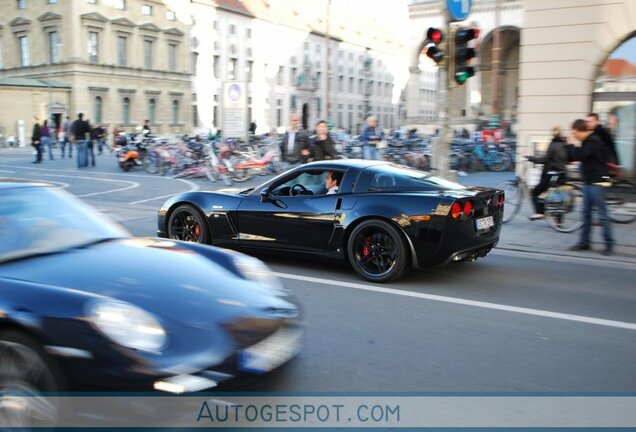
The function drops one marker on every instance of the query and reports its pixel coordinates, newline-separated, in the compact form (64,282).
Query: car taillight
(500,200)
(468,209)
(456,210)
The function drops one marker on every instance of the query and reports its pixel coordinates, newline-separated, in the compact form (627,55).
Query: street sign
(458,10)
(235,110)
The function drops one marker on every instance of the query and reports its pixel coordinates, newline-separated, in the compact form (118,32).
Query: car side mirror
(266,195)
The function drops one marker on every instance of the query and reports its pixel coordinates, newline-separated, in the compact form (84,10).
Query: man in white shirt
(295,144)
(332,182)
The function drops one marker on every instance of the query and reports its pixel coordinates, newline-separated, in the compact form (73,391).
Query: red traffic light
(434,35)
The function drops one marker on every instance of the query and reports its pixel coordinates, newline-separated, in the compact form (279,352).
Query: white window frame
(25,55)
(146,10)
(90,46)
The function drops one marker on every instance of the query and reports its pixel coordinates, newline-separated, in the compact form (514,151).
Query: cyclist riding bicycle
(555,159)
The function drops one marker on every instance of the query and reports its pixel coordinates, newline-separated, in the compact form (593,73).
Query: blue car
(85,306)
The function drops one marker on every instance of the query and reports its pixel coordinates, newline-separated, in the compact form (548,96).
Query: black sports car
(382,217)
(86,306)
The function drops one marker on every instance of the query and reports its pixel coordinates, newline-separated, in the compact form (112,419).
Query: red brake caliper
(365,249)
(197,231)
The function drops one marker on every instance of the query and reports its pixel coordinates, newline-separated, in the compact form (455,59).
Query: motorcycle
(129,152)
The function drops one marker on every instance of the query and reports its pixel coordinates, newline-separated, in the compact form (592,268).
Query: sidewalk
(524,235)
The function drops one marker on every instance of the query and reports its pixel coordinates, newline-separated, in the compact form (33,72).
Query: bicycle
(563,200)
(620,200)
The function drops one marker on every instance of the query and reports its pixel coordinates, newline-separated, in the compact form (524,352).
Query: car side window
(305,183)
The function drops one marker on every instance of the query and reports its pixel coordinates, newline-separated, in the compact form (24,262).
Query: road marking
(463,302)
(193,188)
(8,172)
(133,185)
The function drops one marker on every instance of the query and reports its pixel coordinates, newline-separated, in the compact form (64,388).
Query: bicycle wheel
(498,161)
(151,163)
(620,200)
(564,208)
(514,196)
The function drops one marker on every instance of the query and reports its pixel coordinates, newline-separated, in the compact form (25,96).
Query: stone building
(124,60)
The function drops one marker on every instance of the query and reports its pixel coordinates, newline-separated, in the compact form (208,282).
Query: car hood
(166,278)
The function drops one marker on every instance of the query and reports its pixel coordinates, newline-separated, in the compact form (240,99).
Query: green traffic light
(461,77)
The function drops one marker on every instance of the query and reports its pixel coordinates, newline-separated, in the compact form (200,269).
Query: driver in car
(332,182)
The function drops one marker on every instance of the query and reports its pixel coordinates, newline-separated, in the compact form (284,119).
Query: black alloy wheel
(377,251)
(26,370)
(186,223)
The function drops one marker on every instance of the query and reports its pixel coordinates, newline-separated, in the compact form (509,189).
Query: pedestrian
(371,137)
(591,154)
(555,159)
(323,144)
(604,135)
(82,136)
(45,139)
(145,129)
(294,146)
(66,139)
(36,136)
(99,133)
(253,128)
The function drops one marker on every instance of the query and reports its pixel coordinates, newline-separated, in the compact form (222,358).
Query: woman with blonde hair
(555,159)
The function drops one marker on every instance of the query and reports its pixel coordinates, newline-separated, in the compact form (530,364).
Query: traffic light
(434,38)
(464,53)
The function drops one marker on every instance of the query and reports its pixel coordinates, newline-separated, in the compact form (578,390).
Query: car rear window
(396,178)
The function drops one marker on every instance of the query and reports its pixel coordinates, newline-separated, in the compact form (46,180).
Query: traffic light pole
(441,147)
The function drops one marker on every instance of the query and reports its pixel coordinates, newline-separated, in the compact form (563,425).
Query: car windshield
(396,178)
(42,220)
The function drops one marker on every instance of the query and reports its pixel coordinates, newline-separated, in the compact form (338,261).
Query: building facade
(296,58)
(575,59)
(124,60)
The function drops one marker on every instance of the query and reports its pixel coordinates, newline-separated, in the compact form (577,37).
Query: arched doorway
(305,116)
(508,77)
(614,99)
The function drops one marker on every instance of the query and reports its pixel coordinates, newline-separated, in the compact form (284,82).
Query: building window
(53,47)
(172,57)
(215,25)
(21,4)
(51,1)
(318,48)
(91,1)
(215,112)
(340,83)
(25,59)
(171,15)
(121,50)
(248,33)
(93,47)
(351,85)
(293,78)
(249,71)
(232,29)
(152,109)
(97,108)
(148,54)
(175,112)
(231,69)
(280,75)
(146,10)
(120,4)
(195,115)
(279,112)
(361,86)
(195,62)
(126,111)
(1,67)
(215,66)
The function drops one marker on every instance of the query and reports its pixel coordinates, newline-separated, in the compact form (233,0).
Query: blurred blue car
(86,306)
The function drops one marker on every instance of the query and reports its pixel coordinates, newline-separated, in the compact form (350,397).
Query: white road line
(463,302)
(133,185)
(193,187)
(8,172)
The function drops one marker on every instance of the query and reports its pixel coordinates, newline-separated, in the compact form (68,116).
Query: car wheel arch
(196,208)
(410,247)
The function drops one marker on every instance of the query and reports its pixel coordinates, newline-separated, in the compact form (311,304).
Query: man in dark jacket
(605,136)
(36,136)
(555,159)
(295,145)
(594,176)
(82,132)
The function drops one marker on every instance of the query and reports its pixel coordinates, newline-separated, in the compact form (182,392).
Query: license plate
(271,352)
(484,223)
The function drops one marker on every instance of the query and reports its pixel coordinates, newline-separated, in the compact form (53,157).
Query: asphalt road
(506,323)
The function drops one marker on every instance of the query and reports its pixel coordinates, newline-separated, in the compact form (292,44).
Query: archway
(508,85)
(614,99)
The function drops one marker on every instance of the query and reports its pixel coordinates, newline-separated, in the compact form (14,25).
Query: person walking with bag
(594,173)
(555,159)
(323,144)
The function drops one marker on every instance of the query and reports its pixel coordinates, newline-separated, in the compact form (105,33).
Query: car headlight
(255,270)
(127,325)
